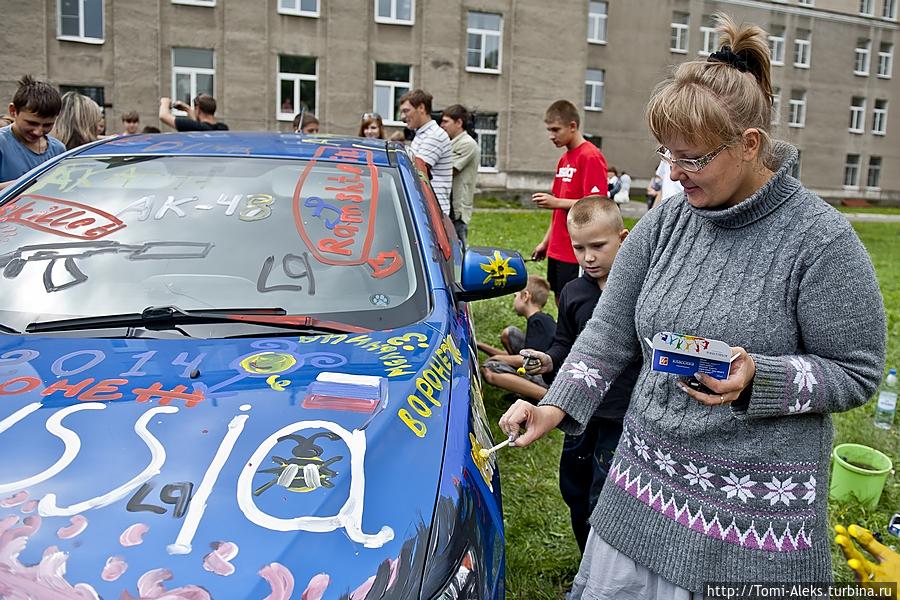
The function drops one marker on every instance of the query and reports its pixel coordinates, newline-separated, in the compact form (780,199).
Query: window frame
(885,58)
(81,37)
(393,20)
(299,12)
(594,85)
(296,78)
(484,33)
(681,32)
(857,115)
(854,184)
(601,20)
(708,40)
(803,45)
(798,104)
(479,131)
(393,85)
(889,10)
(870,12)
(776,42)
(193,72)
(879,117)
(876,169)
(776,107)
(864,53)
(203,3)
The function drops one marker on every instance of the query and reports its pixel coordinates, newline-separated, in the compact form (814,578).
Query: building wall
(544,58)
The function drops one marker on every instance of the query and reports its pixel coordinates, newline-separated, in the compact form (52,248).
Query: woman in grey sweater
(729,485)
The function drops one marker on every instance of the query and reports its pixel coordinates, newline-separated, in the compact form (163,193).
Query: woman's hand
(725,391)
(536,363)
(537,421)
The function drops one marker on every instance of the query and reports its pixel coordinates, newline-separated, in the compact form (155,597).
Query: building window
(873,177)
(593,89)
(486,131)
(193,73)
(879,117)
(391,82)
(680,24)
(807,2)
(889,10)
(300,8)
(885,60)
(851,171)
(195,2)
(81,21)
(597,14)
(795,168)
(776,45)
(857,115)
(802,48)
(397,12)
(708,37)
(297,86)
(596,140)
(797,109)
(776,106)
(485,32)
(861,64)
(867,8)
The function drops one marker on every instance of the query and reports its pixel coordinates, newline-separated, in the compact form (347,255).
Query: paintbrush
(485,452)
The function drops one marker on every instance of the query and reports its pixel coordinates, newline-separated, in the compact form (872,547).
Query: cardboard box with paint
(685,355)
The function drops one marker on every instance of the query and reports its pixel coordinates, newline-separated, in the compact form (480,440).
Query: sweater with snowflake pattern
(736,492)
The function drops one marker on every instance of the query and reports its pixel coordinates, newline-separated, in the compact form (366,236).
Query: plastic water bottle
(887,401)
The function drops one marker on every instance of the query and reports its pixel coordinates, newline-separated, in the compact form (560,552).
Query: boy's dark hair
(306,118)
(206,103)
(150,129)
(131,115)
(596,208)
(417,98)
(564,112)
(614,170)
(539,289)
(38,97)
(457,112)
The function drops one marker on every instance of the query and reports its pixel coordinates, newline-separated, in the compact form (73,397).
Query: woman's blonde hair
(713,102)
(77,122)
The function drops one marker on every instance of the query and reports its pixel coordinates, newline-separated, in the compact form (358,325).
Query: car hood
(219,468)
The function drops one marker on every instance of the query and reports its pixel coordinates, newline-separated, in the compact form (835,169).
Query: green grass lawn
(541,554)
(877,210)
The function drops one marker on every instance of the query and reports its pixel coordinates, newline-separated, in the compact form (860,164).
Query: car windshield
(116,235)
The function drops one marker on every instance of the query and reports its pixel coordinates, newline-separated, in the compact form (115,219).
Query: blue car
(242,365)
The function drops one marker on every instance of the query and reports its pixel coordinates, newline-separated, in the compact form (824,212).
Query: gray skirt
(607,574)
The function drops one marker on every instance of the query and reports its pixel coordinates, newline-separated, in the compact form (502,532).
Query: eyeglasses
(691,165)
(371,116)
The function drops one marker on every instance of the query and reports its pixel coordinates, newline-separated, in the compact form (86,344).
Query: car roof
(228,143)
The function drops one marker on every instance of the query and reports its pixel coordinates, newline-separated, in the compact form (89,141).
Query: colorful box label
(687,354)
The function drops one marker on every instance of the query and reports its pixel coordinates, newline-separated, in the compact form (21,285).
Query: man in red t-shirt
(581,172)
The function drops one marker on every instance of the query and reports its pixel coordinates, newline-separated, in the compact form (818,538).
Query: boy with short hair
(132,121)
(597,231)
(26,143)
(501,369)
(580,172)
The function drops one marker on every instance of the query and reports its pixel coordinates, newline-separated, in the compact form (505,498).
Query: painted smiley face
(268,363)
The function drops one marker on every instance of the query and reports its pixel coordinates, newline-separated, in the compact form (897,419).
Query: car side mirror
(489,272)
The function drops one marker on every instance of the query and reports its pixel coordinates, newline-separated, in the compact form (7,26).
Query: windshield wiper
(8,329)
(159,318)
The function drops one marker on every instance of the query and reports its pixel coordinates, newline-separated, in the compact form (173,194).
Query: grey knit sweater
(711,494)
